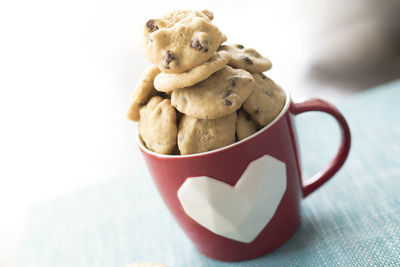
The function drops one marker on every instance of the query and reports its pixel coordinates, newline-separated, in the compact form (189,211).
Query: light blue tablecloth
(354,220)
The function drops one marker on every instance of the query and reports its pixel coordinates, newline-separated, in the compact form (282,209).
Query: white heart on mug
(237,212)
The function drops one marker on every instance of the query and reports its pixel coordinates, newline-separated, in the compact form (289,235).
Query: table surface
(353,220)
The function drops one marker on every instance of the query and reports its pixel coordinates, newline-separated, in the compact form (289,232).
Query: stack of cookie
(200,95)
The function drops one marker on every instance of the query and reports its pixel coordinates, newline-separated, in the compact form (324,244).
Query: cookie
(246,58)
(181,40)
(220,94)
(167,82)
(157,125)
(266,101)
(142,92)
(196,135)
(245,126)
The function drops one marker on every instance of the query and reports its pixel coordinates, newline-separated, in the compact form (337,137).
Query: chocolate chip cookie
(157,125)
(167,82)
(246,58)
(245,126)
(220,94)
(142,92)
(266,101)
(196,135)
(181,40)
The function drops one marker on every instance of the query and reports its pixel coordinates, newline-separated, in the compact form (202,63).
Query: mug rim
(195,155)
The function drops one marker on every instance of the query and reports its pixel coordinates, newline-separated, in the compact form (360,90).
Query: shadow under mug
(242,201)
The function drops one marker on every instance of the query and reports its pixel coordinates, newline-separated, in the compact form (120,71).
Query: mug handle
(314,104)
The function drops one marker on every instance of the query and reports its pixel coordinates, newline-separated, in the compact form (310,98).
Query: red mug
(242,201)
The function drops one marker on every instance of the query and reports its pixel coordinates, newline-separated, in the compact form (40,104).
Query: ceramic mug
(242,201)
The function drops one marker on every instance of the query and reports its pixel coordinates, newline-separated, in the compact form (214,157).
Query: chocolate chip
(196,45)
(227,93)
(248,61)
(168,58)
(232,83)
(239,46)
(151,24)
(227,102)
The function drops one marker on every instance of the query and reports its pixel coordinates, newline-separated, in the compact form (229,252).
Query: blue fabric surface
(353,220)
